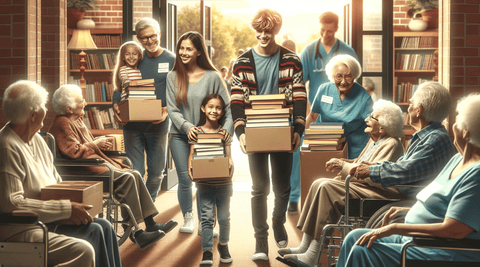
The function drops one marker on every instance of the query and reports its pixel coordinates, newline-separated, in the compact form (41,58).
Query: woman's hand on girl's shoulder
(192,134)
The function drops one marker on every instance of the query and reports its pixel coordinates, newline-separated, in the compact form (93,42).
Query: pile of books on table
(269,124)
(324,136)
(144,89)
(209,160)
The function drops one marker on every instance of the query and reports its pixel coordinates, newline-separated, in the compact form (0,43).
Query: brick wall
(400,18)
(109,13)
(54,50)
(459,66)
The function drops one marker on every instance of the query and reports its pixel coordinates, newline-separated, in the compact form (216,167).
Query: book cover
(268,116)
(326,125)
(282,102)
(268,124)
(260,120)
(140,88)
(145,82)
(267,97)
(147,92)
(207,145)
(266,106)
(282,111)
(210,136)
(104,93)
(326,131)
(322,136)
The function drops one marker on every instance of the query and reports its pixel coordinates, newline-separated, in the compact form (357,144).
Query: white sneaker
(188,223)
(199,232)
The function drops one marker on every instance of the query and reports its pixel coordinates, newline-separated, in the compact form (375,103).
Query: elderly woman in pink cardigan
(74,141)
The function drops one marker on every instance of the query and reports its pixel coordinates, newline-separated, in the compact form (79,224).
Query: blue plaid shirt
(429,151)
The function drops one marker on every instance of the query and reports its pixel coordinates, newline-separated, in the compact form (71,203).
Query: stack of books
(144,89)
(326,136)
(209,145)
(268,111)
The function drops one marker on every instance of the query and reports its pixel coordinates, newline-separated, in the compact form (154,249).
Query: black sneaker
(165,227)
(292,208)
(224,254)
(281,237)
(261,250)
(207,258)
(146,239)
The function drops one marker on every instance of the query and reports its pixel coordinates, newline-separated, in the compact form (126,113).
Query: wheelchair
(23,253)
(110,205)
(359,213)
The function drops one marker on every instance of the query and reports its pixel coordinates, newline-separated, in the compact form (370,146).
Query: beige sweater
(24,170)
(390,150)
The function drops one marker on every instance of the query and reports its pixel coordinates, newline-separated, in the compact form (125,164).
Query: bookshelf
(98,76)
(413,62)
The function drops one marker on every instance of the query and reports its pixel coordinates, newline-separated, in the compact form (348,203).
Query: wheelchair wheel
(377,218)
(124,233)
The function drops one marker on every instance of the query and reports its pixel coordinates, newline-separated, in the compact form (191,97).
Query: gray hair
(347,60)
(468,118)
(145,23)
(435,100)
(367,82)
(64,97)
(391,119)
(21,98)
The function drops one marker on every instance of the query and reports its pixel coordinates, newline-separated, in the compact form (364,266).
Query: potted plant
(428,9)
(76,10)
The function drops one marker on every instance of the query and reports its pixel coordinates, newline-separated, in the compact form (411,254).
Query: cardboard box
(312,167)
(138,110)
(269,139)
(210,168)
(86,192)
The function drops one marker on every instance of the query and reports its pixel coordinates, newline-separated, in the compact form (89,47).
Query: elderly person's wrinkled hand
(103,143)
(361,171)
(80,213)
(373,235)
(392,213)
(334,165)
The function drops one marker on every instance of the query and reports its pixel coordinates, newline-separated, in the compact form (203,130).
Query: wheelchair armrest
(439,242)
(79,162)
(19,217)
(111,154)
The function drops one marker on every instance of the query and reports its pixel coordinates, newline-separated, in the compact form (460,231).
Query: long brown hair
(203,61)
(203,117)
(117,86)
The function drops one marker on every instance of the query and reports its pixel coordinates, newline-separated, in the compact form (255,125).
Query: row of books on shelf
(143,89)
(96,92)
(324,136)
(417,42)
(405,90)
(414,61)
(95,61)
(107,41)
(209,145)
(268,111)
(96,119)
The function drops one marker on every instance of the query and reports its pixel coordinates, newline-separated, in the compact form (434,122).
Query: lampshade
(81,38)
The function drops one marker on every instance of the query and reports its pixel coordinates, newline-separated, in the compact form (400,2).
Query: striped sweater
(290,83)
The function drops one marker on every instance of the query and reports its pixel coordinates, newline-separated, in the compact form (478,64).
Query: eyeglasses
(151,37)
(370,117)
(348,78)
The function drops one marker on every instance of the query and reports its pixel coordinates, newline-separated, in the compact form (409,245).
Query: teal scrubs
(352,111)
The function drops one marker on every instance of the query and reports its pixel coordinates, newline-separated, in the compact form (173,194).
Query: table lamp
(82,40)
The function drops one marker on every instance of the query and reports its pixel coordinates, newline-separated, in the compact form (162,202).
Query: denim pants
(180,150)
(101,236)
(281,165)
(208,198)
(295,176)
(387,251)
(155,146)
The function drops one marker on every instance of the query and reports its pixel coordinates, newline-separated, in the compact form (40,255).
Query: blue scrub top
(352,111)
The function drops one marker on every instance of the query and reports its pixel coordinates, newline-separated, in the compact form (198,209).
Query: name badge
(428,191)
(163,67)
(327,99)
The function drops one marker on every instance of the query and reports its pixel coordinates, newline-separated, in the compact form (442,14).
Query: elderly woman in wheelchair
(74,237)
(447,207)
(75,141)
(430,149)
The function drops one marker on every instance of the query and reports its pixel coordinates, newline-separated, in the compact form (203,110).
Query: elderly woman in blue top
(344,100)
(192,78)
(448,207)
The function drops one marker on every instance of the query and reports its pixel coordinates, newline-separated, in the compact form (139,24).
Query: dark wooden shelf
(101,30)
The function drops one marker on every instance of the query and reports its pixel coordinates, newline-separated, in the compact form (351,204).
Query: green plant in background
(82,4)
(422,5)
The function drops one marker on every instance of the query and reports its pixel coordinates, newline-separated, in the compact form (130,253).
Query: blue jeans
(281,165)
(387,251)
(101,236)
(180,150)
(155,145)
(210,197)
